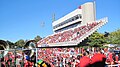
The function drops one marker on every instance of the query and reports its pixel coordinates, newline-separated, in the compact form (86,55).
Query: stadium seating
(69,35)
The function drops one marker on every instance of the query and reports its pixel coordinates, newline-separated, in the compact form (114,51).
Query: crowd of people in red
(66,57)
(69,35)
(70,57)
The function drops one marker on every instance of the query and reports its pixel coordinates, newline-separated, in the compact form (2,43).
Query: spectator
(98,59)
(85,60)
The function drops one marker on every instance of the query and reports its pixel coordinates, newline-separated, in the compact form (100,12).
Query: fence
(16,57)
(19,58)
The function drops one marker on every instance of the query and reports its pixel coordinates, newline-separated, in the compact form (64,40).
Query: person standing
(98,59)
(85,60)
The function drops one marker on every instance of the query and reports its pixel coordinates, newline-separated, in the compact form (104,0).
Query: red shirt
(116,58)
(97,58)
(110,57)
(28,64)
(84,61)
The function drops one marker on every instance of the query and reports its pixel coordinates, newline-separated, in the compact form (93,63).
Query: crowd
(70,57)
(65,57)
(69,35)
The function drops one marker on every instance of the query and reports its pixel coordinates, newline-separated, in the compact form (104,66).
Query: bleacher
(72,36)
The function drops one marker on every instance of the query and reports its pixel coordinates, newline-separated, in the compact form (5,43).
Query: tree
(96,39)
(37,38)
(11,44)
(20,43)
(114,37)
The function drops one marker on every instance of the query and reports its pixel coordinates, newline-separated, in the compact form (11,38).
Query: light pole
(0,58)
(15,56)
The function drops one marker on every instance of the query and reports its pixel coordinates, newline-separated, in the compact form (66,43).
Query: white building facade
(79,17)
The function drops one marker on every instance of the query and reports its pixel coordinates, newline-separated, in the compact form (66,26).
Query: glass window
(68,20)
(76,17)
(72,19)
(80,16)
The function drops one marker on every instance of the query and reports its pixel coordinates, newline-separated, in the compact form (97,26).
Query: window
(68,20)
(80,16)
(76,17)
(72,19)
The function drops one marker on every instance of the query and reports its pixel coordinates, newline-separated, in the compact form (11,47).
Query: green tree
(11,44)
(96,39)
(114,37)
(106,34)
(20,43)
(37,38)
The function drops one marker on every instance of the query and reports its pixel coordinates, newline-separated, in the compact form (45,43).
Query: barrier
(16,57)
(117,65)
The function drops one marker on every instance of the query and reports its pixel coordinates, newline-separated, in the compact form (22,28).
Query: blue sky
(21,19)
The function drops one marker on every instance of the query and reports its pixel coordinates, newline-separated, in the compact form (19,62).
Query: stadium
(74,27)
(53,51)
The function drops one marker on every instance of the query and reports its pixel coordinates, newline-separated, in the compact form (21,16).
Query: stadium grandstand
(74,27)
(70,30)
